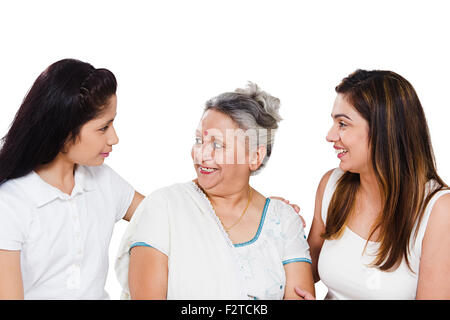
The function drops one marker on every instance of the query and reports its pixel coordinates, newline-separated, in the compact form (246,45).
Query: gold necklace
(227,229)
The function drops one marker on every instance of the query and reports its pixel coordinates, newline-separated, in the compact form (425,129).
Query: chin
(348,168)
(345,167)
(207,183)
(94,163)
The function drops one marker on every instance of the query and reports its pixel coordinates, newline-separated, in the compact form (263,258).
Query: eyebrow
(341,115)
(107,123)
(216,138)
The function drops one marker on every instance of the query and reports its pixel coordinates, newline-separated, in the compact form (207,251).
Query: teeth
(207,169)
(340,151)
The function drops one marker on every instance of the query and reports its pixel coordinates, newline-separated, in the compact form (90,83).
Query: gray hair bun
(269,103)
(251,108)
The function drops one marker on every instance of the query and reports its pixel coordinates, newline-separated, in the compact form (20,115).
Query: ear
(257,157)
(68,143)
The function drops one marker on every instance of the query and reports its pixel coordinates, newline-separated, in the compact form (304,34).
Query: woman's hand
(304,294)
(293,205)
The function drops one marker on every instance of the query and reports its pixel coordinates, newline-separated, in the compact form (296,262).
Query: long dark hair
(402,158)
(63,98)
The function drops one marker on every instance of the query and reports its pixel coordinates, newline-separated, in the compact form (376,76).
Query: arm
(315,241)
(298,274)
(134,204)
(11,285)
(434,270)
(148,274)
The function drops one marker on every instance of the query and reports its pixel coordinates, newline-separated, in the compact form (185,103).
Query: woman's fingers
(304,294)
(293,205)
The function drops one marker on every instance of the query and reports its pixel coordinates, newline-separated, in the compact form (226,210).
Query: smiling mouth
(341,152)
(206,170)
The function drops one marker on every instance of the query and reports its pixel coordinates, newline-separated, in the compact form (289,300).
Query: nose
(333,134)
(202,153)
(207,152)
(112,139)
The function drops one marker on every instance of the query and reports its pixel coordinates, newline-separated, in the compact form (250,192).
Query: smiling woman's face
(220,157)
(350,137)
(96,138)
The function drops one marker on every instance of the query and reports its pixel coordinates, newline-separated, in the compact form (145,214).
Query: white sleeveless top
(344,266)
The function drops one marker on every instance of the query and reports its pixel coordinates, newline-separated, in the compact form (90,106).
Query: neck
(229,200)
(369,188)
(58,173)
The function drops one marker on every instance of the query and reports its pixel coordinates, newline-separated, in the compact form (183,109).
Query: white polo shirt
(63,239)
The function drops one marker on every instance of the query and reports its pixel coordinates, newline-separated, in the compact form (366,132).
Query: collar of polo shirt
(44,193)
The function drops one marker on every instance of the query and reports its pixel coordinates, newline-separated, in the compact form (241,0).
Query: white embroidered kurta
(203,262)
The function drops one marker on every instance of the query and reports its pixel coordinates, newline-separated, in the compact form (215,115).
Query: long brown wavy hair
(402,158)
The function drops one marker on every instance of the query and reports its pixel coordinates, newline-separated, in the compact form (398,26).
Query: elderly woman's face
(220,156)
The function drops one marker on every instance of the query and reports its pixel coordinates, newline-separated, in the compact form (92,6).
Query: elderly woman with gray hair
(216,237)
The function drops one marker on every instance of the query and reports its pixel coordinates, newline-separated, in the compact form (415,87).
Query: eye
(104,128)
(217,145)
(198,140)
(342,124)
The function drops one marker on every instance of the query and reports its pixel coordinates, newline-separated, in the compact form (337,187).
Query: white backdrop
(171,56)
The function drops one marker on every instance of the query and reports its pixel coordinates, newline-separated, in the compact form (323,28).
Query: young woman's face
(96,138)
(350,137)
(220,157)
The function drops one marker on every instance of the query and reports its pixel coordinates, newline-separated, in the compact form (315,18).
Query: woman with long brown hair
(381,220)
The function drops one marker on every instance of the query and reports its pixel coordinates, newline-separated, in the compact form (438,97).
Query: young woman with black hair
(58,201)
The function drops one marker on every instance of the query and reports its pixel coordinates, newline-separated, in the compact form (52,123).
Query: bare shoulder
(442,204)
(441,210)
(439,220)
(319,195)
(323,182)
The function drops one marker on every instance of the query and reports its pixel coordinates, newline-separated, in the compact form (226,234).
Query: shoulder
(327,183)
(440,215)
(330,177)
(17,203)
(442,206)
(10,190)
(105,178)
(435,223)
(285,224)
(163,201)
(433,237)
(170,190)
(324,193)
(284,211)
(18,192)
(324,181)
(164,194)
